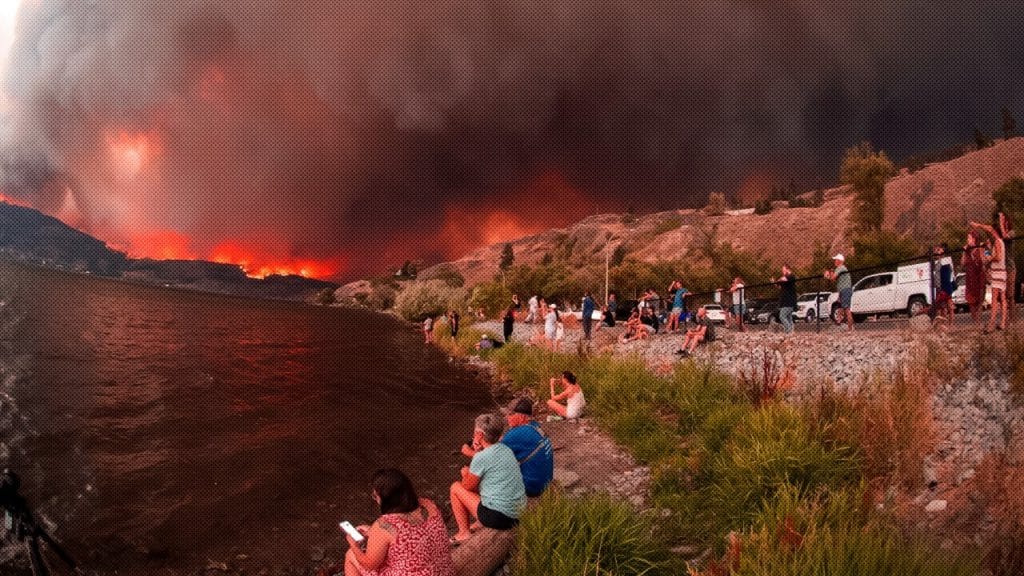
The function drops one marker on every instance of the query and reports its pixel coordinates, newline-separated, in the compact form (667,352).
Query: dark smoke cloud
(345,127)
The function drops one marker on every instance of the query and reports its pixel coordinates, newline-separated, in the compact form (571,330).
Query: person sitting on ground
(531,446)
(634,329)
(408,539)
(703,332)
(609,318)
(488,343)
(491,488)
(649,321)
(571,393)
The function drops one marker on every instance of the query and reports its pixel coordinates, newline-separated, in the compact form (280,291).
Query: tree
(492,297)
(325,297)
(716,204)
(881,248)
(508,257)
(1010,200)
(867,172)
(1009,124)
(980,140)
(762,207)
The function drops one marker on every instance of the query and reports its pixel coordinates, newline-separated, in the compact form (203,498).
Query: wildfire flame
(132,151)
(256,265)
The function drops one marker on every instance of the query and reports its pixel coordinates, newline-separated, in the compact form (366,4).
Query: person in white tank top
(571,393)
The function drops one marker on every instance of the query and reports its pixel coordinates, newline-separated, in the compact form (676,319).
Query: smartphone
(351,531)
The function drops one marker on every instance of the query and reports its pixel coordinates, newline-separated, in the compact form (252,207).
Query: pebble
(936,506)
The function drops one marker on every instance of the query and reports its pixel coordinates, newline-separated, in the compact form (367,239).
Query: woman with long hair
(973,262)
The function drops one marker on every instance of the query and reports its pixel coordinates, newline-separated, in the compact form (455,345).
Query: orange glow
(12,201)
(257,265)
(162,245)
(756,186)
(132,151)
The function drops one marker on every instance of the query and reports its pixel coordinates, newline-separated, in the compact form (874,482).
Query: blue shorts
(845,298)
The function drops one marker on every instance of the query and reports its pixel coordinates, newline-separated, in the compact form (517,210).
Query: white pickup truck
(905,291)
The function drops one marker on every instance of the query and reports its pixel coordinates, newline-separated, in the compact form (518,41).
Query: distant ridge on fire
(27,235)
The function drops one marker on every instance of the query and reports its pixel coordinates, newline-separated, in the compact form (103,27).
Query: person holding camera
(787,298)
(409,538)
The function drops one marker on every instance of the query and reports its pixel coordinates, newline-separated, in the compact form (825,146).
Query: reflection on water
(159,427)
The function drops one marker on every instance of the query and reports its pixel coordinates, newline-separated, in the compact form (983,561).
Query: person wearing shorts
(491,488)
(844,285)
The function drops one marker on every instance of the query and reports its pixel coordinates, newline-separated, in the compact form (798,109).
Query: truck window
(885,280)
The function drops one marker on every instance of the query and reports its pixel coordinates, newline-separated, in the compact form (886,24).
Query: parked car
(806,309)
(960,294)
(905,291)
(751,309)
(715,313)
(766,313)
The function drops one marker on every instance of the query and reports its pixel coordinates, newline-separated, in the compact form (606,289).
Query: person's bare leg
(557,408)
(997,298)
(464,505)
(693,344)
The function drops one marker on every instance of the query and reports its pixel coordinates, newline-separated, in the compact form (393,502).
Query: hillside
(27,235)
(917,204)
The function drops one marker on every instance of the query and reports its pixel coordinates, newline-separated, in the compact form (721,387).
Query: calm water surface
(157,428)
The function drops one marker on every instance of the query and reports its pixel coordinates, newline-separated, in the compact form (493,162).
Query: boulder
(484,552)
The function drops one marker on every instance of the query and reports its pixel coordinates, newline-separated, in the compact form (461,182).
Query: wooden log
(484,552)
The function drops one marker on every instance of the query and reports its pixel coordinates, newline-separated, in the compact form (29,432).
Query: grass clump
(834,533)
(590,536)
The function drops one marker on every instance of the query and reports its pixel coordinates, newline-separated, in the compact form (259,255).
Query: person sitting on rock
(491,489)
(571,393)
(634,328)
(408,539)
(531,446)
(703,332)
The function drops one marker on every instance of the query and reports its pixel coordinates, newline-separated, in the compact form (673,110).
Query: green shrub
(591,536)
(432,298)
(762,207)
(493,297)
(833,534)
(670,223)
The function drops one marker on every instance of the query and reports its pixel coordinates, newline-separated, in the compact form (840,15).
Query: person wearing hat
(551,326)
(844,285)
(532,447)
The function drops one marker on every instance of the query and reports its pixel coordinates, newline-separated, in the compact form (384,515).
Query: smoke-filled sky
(342,138)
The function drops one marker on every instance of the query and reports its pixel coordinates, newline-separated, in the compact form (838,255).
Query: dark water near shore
(157,428)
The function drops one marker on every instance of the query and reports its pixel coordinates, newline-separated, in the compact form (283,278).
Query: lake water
(162,429)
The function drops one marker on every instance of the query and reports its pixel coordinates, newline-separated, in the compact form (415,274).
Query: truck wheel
(809,317)
(858,318)
(916,305)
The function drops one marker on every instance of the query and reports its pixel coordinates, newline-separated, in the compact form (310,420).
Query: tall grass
(591,536)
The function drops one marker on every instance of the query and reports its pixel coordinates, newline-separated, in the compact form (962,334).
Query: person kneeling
(491,488)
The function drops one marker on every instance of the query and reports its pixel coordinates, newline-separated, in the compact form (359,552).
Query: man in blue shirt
(588,314)
(531,446)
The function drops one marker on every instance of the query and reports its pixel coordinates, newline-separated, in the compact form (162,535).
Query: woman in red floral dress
(409,538)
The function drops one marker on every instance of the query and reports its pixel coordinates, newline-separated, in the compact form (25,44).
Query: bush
(449,276)
(592,536)
(881,248)
(325,297)
(832,533)
(672,222)
(762,207)
(867,172)
(430,298)
(493,297)
(717,204)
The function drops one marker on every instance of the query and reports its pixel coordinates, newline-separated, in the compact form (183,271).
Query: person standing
(508,323)
(739,302)
(973,262)
(453,323)
(997,265)
(844,285)
(679,295)
(428,330)
(551,326)
(787,298)
(588,314)
(1005,227)
(531,305)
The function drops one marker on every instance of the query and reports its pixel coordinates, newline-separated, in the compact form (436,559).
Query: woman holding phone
(409,538)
